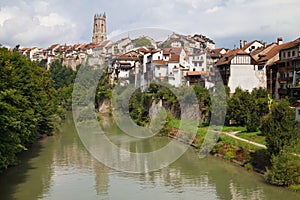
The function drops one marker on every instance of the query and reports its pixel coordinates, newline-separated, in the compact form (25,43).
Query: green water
(59,167)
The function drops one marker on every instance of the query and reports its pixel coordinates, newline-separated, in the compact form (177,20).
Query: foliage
(136,109)
(253,122)
(218,105)
(280,127)
(285,169)
(104,89)
(239,106)
(27,108)
(143,41)
(247,109)
(62,76)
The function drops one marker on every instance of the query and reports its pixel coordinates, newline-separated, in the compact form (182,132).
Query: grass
(233,128)
(295,188)
(230,140)
(190,126)
(297,150)
(254,137)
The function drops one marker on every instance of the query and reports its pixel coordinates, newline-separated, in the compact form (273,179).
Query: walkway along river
(59,167)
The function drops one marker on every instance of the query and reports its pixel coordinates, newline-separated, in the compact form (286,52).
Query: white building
(238,69)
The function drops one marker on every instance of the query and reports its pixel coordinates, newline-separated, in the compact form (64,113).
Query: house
(251,46)
(289,69)
(197,60)
(213,56)
(268,58)
(196,77)
(239,69)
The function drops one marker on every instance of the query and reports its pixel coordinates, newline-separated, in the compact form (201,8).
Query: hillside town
(185,60)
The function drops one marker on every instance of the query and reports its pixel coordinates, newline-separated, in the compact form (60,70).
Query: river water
(59,167)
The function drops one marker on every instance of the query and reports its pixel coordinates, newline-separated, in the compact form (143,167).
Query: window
(159,74)
(298,111)
(287,64)
(158,67)
(283,54)
(194,69)
(293,53)
(281,86)
(289,54)
(253,47)
(158,57)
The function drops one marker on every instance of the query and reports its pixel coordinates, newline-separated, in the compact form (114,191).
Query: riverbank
(250,157)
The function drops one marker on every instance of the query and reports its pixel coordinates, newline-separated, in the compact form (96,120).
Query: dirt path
(232,134)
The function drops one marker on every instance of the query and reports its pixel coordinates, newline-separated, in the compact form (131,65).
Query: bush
(285,170)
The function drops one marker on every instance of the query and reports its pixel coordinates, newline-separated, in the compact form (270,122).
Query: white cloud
(43,23)
(33,24)
(53,19)
(213,10)
(5,14)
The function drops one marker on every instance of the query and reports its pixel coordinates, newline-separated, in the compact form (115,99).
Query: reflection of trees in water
(71,153)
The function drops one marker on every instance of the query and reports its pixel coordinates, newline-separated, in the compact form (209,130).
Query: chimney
(241,44)
(279,41)
(245,42)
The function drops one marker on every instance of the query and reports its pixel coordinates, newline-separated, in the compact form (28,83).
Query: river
(59,167)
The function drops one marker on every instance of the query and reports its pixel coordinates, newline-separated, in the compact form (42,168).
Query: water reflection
(60,168)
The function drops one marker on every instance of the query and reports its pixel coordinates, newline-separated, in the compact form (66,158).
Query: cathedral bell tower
(99,31)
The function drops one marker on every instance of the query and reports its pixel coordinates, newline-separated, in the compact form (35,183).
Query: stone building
(99,31)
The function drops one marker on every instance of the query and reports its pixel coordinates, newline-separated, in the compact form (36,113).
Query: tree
(143,41)
(280,127)
(26,104)
(240,106)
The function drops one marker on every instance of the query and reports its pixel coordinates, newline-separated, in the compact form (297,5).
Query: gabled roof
(292,44)
(275,51)
(229,55)
(250,44)
(132,55)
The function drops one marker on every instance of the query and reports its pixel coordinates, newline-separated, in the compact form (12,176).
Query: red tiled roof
(274,51)
(193,73)
(160,62)
(228,56)
(175,50)
(174,58)
(165,52)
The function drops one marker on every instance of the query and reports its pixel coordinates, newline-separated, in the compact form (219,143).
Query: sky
(42,23)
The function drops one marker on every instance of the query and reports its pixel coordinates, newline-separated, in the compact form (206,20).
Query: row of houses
(273,66)
(108,50)
(174,65)
(185,60)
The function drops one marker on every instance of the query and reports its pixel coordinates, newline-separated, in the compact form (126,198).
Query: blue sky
(42,23)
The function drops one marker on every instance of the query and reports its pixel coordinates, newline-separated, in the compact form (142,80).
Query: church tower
(99,31)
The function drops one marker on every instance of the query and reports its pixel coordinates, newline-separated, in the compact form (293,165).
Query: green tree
(143,41)
(27,109)
(280,127)
(239,107)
